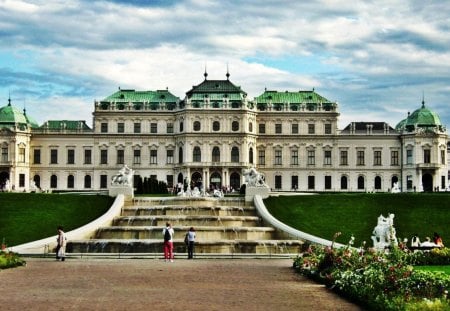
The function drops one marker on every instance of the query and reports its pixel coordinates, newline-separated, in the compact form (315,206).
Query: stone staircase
(224,227)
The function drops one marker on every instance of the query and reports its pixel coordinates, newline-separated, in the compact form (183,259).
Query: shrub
(10,260)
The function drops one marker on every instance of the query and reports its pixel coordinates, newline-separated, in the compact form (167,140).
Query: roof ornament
(228,73)
(206,73)
(9,98)
(423,99)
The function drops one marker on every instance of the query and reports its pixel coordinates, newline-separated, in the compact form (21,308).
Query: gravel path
(152,284)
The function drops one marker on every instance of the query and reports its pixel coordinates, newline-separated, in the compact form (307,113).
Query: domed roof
(423,117)
(10,115)
(400,124)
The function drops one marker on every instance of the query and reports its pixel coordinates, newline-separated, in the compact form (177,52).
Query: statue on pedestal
(123,178)
(253,178)
(384,233)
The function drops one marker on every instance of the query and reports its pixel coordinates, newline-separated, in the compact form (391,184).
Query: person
(428,243)
(191,240)
(168,233)
(415,241)
(61,244)
(438,240)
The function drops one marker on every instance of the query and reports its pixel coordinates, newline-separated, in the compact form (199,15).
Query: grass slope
(26,217)
(324,215)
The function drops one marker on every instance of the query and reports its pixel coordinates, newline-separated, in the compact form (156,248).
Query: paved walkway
(152,284)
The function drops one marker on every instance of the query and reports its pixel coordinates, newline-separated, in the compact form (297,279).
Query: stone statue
(7,186)
(253,178)
(395,188)
(124,177)
(384,233)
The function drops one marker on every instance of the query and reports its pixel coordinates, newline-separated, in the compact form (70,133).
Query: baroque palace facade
(216,132)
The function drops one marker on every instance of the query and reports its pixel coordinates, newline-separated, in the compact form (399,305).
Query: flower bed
(378,280)
(10,260)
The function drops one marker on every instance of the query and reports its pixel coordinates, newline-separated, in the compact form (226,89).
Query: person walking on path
(191,240)
(168,233)
(61,244)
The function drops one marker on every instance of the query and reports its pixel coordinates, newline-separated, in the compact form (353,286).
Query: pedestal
(127,191)
(250,192)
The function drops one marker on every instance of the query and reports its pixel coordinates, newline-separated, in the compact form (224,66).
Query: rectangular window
(153,128)
(427,156)
(104,156)
(262,128)
(169,128)
(311,182)
(311,128)
(360,157)
(311,157)
(104,127)
(5,154)
(120,156)
(278,128)
(153,156)
(120,127)
(409,156)
(443,157)
(261,157)
(327,157)
(294,128)
(169,179)
(377,157)
(327,182)
(103,181)
(37,156)
(409,182)
(21,180)
(327,128)
(54,156)
(294,182)
(344,157)
(137,156)
(70,156)
(87,156)
(169,156)
(394,157)
(294,157)
(443,183)
(278,157)
(137,128)
(22,155)
(278,184)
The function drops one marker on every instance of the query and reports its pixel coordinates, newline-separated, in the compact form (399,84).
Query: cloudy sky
(375,58)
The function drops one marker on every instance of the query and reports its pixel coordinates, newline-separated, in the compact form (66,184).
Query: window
(294,157)
(120,156)
(153,128)
(5,154)
(104,156)
(294,182)
(21,180)
(37,181)
(327,128)
(37,156)
(311,157)
(235,126)
(87,181)
(377,157)
(169,128)
(235,154)
(261,157)
(443,182)
(181,126)
(278,157)
(196,154)
(344,183)
(250,155)
(137,156)
(278,184)
(216,126)
(443,157)
(54,156)
(53,181)
(409,156)
(344,157)
(327,182)
(103,181)
(294,128)
(377,182)
(394,157)
(104,127)
(311,128)
(250,127)
(169,156)
(311,182)
(262,128)
(197,126)
(409,182)
(427,156)
(360,157)
(180,155)
(120,127)
(216,154)
(360,182)
(87,156)
(169,179)
(153,156)
(278,128)
(70,156)
(22,155)
(327,157)
(137,128)
(70,181)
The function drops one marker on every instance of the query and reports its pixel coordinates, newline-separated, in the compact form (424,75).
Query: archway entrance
(394,179)
(196,180)
(235,181)
(4,176)
(215,181)
(427,182)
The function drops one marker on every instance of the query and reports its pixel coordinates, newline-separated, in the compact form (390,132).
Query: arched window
(235,126)
(235,154)
(180,155)
(87,181)
(53,181)
(215,105)
(197,155)
(70,181)
(216,126)
(361,182)
(250,155)
(197,126)
(344,182)
(181,126)
(216,154)
(37,181)
(250,127)
(378,182)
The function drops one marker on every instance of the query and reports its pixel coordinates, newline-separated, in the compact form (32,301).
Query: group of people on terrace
(428,243)
(189,240)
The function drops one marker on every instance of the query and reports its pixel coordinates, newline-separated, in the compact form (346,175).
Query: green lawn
(325,214)
(26,217)
(445,269)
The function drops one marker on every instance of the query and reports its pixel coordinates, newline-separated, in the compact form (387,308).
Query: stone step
(190,201)
(201,247)
(192,220)
(178,210)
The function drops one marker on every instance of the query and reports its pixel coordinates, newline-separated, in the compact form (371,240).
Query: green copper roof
(141,96)
(423,117)
(220,87)
(400,124)
(10,115)
(70,125)
(300,97)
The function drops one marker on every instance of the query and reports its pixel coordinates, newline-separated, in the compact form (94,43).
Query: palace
(214,133)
